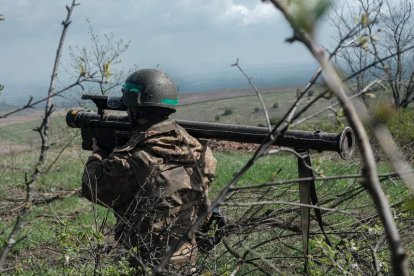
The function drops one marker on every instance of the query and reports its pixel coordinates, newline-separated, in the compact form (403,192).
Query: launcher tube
(342,143)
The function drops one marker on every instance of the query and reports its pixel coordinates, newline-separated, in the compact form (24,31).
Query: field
(66,235)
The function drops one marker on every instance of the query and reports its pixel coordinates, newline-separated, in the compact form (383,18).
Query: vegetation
(50,229)
(65,230)
(227,111)
(401,125)
(386,31)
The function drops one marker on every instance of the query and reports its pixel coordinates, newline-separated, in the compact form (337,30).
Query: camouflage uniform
(157,183)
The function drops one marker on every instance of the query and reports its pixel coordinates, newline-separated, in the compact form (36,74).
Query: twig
(298,204)
(362,92)
(375,256)
(12,238)
(324,178)
(31,104)
(43,132)
(387,143)
(242,260)
(371,180)
(59,154)
(259,95)
(277,130)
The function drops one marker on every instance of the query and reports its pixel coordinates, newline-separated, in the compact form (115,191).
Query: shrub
(401,126)
(217,117)
(311,93)
(276,105)
(274,120)
(256,109)
(228,111)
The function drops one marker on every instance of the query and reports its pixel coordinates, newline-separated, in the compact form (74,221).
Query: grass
(245,109)
(60,234)
(401,125)
(23,133)
(53,228)
(267,169)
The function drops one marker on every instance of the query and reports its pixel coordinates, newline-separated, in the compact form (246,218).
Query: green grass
(23,133)
(267,169)
(401,126)
(56,225)
(244,109)
(66,228)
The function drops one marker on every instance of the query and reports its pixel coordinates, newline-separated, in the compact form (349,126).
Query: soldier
(157,183)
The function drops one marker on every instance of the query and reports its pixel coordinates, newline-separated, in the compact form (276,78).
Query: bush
(217,117)
(228,111)
(256,109)
(276,105)
(311,93)
(401,126)
(274,120)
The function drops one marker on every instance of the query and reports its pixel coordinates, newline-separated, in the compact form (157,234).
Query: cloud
(260,13)
(227,11)
(185,34)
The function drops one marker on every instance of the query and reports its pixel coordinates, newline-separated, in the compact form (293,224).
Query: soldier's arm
(108,180)
(209,166)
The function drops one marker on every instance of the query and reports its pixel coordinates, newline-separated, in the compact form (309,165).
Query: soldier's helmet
(150,88)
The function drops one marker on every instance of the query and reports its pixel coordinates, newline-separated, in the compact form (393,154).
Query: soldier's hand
(95,147)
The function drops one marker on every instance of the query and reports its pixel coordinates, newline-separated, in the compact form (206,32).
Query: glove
(212,232)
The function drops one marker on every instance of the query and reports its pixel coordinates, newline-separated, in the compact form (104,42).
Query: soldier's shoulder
(130,145)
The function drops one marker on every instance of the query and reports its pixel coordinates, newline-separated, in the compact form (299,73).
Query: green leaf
(321,7)
(363,42)
(308,13)
(364,19)
(409,205)
(82,71)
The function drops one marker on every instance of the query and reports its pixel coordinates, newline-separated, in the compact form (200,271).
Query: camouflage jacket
(157,181)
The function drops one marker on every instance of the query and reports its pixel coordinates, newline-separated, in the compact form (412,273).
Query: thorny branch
(324,178)
(44,134)
(277,130)
(362,92)
(399,259)
(259,95)
(32,104)
(387,143)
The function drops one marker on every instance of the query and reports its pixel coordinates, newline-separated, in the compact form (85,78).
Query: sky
(184,37)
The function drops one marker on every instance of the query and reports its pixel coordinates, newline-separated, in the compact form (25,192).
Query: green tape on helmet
(169,101)
(132,87)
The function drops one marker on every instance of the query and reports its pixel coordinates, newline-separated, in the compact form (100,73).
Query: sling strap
(307,194)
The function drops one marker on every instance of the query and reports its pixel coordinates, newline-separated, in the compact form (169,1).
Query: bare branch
(259,95)
(43,132)
(298,204)
(324,178)
(371,181)
(387,143)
